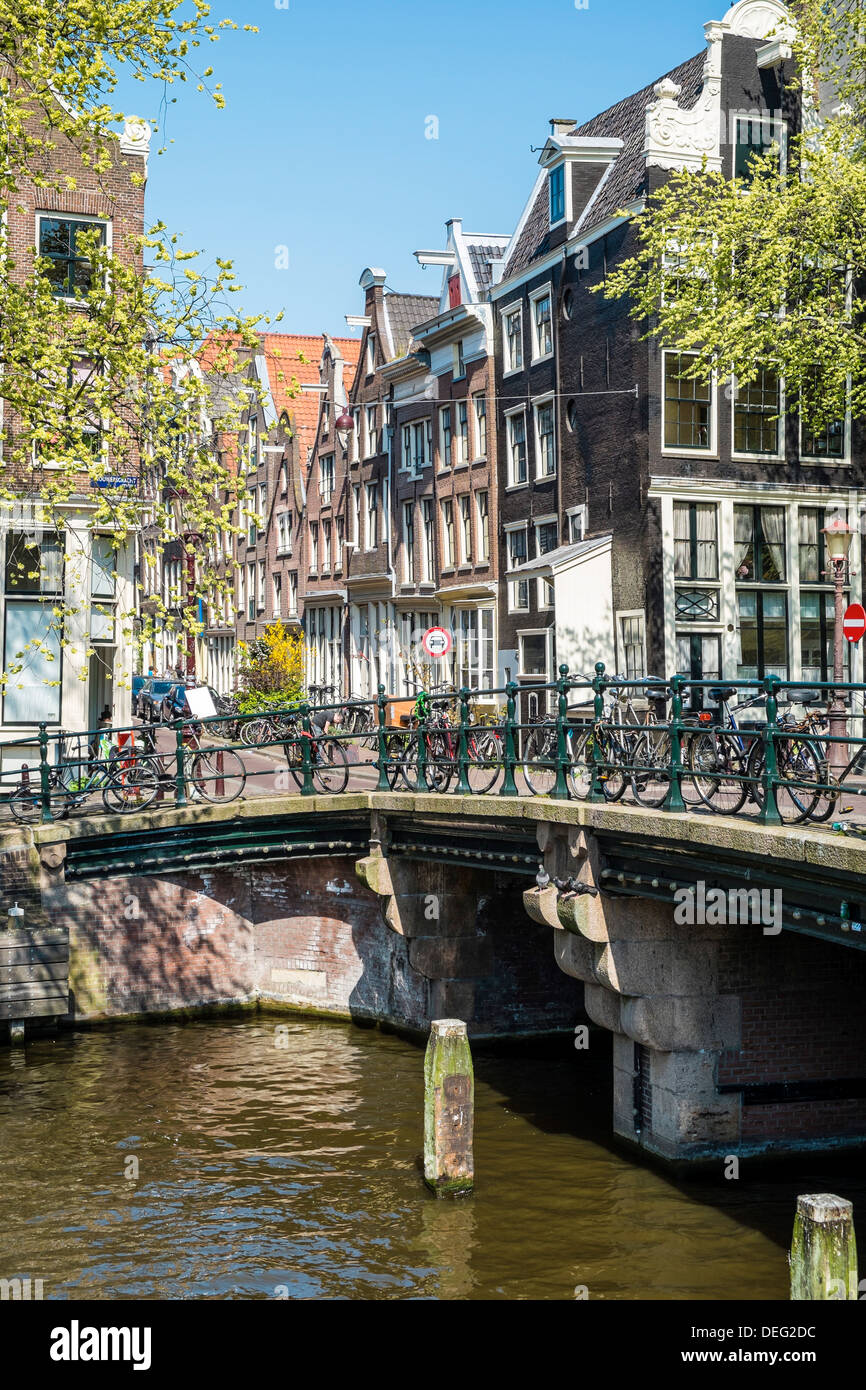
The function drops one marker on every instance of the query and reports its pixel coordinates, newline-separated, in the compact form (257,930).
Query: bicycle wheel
(719,771)
(580,763)
(218,774)
(539,760)
(399,749)
(484,747)
(651,757)
(131,788)
(256,731)
(330,766)
(25,803)
(797,762)
(441,764)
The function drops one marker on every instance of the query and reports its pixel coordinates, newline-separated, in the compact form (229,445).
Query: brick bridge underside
(400,908)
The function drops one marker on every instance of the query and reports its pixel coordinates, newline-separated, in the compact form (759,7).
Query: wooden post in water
(449,1094)
(823,1251)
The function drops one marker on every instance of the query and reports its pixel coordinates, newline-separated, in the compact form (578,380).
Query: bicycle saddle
(721,692)
(805,697)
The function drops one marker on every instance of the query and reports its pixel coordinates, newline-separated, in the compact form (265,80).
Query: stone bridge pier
(727,1039)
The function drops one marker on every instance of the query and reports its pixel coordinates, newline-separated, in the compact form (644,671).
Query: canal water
(263,1158)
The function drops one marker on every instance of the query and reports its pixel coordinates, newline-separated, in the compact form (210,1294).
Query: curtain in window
(682,541)
(743,538)
(808,528)
(773,527)
(706,538)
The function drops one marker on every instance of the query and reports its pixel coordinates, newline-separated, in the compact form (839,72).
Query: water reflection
(263,1159)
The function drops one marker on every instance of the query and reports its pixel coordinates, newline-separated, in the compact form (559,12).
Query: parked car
(138,685)
(150,700)
(174,703)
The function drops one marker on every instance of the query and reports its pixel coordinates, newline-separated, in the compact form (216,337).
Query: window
(459,363)
(448,556)
(341,538)
(263,508)
(754,136)
(326,416)
(371,353)
(556,187)
(326,477)
(326,547)
(314,547)
(356,515)
(817,627)
(687,406)
(372,432)
(103,566)
(293,593)
(284,533)
(480,402)
(409,541)
(826,442)
(632,645)
(576,522)
(453,291)
(546,537)
(253,444)
(419,445)
(407,447)
(445,436)
(759,545)
(517,448)
(513,345)
(757,408)
(545,449)
(542,335)
(427,557)
(251,592)
(241,599)
(465,529)
(69,269)
(261,584)
(813,567)
(252,520)
(372,515)
(278,595)
(533,647)
(695,544)
(518,589)
(462,431)
(473,648)
(763,622)
(284,478)
(482,501)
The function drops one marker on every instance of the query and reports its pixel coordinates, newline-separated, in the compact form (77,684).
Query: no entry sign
(854,622)
(436,641)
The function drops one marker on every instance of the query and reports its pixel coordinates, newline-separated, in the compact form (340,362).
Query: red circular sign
(436,641)
(854,622)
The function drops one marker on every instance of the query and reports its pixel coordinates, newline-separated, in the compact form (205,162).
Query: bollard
(823,1255)
(449,1092)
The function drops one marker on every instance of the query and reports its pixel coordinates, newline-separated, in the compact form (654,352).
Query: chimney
(561,125)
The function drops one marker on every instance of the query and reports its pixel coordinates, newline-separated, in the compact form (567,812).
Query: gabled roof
(404,311)
(624,180)
(482,251)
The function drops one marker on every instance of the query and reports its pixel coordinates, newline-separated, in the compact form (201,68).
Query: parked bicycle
(78,774)
(438,728)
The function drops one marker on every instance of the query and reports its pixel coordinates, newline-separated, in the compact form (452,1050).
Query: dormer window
(556,184)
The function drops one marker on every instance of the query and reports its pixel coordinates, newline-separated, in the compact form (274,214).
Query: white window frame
(356,515)
(510,527)
(555,168)
(545,632)
(512,485)
(825,461)
(515,307)
(543,292)
(571,513)
(284,533)
(371,490)
(780,429)
(464,524)
(313,531)
(445,464)
(483,551)
(461,449)
(479,398)
(105,222)
(371,430)
(538,404)
(326,475)
(621,615)
(712,451)
(449,537)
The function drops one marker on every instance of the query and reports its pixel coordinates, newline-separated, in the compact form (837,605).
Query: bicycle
(328,762)
(442,748)
(126,785)
(211,774)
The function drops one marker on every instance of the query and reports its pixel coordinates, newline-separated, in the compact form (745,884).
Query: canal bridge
(725,958)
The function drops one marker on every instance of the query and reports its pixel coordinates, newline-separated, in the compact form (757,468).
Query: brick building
(656,523)
(67,678)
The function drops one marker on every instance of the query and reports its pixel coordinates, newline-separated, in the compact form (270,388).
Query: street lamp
(344,425)
(837,540)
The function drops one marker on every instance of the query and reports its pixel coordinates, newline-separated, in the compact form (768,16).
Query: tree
(768,270)
(105,385)
(272,670)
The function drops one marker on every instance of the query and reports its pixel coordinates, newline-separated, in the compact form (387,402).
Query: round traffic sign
(436,641)
(854,622)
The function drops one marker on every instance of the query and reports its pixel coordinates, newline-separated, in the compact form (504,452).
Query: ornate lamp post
(344,425)
(837,540)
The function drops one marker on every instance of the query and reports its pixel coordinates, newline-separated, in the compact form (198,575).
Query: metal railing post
(44,774)
(382,784)
(421,783)
(674,799)
(560,788)
(596,791)
(180,765)
(509,786)
(463,746)
(770,779)
(306,751)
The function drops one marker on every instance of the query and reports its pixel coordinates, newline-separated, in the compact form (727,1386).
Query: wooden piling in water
(449,1097)
(823,1255)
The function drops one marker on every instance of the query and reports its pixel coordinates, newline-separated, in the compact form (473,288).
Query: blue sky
(322,149)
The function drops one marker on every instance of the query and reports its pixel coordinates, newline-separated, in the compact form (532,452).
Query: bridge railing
(764,747)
